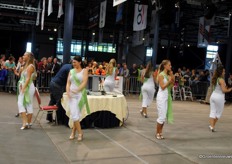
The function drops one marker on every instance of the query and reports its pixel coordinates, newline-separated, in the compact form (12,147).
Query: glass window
(102,47)
(212,48)
(149,51)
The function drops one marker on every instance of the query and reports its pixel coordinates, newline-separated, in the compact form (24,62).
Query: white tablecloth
(116,105)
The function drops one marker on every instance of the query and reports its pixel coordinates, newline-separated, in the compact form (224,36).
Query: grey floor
(188,140)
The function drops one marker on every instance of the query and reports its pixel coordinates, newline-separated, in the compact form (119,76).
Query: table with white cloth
(106,111)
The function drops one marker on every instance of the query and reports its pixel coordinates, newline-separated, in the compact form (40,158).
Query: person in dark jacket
(57,88)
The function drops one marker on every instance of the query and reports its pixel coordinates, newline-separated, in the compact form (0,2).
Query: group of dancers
(73,78)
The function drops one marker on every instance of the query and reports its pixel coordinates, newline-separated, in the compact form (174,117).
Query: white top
(165,91)
(111,77)
(79,76)
(218,89)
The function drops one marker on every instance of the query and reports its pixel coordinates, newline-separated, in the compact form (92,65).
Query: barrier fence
(130,85)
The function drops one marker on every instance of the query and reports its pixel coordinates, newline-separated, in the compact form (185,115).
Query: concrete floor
(188,140)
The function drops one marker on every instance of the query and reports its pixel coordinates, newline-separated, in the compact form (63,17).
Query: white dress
(75,111)
(148,91)
(29,106)
(217,101)
(162,103)
(109,82)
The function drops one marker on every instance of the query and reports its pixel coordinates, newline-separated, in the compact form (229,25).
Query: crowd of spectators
(48,67)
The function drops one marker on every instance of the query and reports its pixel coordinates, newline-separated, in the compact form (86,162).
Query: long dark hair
(79,59)
(217,73)
(149,70)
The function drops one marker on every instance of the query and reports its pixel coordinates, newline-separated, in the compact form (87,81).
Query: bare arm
(116,73)
(84,82)
(161,82)
(223,86)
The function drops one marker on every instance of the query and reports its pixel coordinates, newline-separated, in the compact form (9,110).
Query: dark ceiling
(170,27)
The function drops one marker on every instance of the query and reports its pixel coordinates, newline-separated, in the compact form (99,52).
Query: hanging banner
(50,9)
(93,17)
(140,17)
(117,2)
(38,14)
(119,13)
(42,17)
(102,18)
(60,11)
(203,33)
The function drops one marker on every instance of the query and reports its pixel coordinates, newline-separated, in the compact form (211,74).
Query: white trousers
(109,85)
(148,95)
(29,107)
(162,107)
(216,105)
(75,112)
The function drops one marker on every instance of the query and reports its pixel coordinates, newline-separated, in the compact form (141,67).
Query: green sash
(84,100)
(169,112)
(26,98)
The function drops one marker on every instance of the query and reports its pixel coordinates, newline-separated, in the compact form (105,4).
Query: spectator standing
(10,67)
(55,67)
(133,78)
(57,88)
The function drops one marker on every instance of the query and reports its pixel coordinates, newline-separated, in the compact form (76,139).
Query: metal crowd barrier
(131,85)
(199,89)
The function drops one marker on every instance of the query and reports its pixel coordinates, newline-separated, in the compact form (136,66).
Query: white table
(116,105)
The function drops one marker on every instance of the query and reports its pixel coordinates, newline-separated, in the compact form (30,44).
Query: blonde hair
(161,68)
(111,66)
(30,61)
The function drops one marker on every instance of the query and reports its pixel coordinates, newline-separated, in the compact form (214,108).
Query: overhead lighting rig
(16,7)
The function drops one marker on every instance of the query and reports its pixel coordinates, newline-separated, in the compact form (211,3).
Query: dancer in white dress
(111,73)
(148,89)
(75,88)
(26,90)
(217,98)
(163,99)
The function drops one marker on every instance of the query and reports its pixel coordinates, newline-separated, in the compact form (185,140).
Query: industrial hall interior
(115,81)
